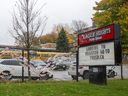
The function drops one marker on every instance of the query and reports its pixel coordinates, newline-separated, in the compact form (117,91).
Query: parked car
(63,65)
(12,68)
(38,63)
(83,71)
(62,62)
(60,67)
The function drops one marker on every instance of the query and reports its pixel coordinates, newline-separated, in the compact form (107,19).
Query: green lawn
(64,88)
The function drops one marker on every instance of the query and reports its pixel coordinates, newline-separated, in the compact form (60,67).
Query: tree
(113,11)
(52,37)
(67,29)
(26,24)
(78,25)
(35,41)
(49,38)
(62,41)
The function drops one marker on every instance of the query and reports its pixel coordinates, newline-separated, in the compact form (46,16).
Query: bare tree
(27,23)
(78,26)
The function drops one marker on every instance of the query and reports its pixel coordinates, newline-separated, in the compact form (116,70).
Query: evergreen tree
(62,41)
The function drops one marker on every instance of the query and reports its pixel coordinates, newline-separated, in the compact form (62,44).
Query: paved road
(63,75)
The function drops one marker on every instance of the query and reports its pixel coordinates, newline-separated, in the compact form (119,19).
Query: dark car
(60,67)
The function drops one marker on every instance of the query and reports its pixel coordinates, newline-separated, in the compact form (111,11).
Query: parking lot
(63,75)
(40,70)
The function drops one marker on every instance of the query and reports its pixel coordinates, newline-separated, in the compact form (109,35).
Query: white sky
(57,11)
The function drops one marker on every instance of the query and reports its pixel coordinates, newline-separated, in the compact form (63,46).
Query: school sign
(100,46)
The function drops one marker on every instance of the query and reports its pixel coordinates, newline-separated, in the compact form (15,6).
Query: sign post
(100,48)
(77,64)
(98,75)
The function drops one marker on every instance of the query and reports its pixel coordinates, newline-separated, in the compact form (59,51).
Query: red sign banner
(96,35)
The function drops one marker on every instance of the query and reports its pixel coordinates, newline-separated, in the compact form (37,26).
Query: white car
(83,71)
(12,68)
(39,64)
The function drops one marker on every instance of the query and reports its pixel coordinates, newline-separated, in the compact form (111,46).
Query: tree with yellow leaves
(113,12)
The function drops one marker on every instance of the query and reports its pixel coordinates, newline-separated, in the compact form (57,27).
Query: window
(11,62)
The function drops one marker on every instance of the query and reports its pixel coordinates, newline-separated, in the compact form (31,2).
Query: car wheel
(6,75)
(51,76)
(34,78)
(85,75)
(73,77)
(44,76)
(64,68)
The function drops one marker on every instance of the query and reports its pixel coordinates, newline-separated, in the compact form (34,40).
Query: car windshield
(13,62)
(38,63)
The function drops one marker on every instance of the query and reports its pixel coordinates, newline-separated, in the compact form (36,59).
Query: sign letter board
(100,46)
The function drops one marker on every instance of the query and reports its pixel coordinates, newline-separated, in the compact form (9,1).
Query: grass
(64,88)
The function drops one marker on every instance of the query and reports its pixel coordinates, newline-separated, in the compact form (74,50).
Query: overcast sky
(57,11)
